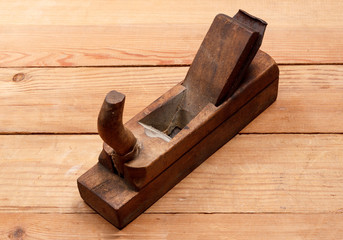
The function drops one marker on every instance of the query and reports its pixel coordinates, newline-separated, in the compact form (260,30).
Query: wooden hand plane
(228,84)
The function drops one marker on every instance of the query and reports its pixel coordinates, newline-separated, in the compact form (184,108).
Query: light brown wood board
(49,33)
(68,100)
(173,226)
(253,173)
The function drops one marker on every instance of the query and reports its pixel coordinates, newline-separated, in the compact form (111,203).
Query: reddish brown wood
(106,160)
(116,201)
(110,124)
(222,60)
(156,155)
(167,140)
(120,145)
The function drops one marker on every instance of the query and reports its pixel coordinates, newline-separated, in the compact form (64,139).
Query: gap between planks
(243,133)
(158,66)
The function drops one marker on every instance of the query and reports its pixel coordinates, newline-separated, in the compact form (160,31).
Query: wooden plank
(67,100)
(173,226)
(310,100)
(147,33)
(278,173)
(49,96)
(105,12)
(153,44)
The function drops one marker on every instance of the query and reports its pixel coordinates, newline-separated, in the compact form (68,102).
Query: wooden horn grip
(110,124)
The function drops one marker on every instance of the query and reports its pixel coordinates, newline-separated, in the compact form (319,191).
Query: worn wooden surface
(280,179)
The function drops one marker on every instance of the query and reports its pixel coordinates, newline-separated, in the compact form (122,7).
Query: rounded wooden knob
(110,124)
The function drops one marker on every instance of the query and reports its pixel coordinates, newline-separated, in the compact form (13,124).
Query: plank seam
(244,133)
(188,213)
(162,65)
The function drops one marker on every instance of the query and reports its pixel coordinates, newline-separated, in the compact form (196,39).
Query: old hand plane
(229,83)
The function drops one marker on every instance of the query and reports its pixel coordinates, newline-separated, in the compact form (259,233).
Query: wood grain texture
(68,100)
(258,186)
(88,33)
(278,173)
(174,226)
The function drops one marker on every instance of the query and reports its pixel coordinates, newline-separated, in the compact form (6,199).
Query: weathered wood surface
(259,186)
(67,100)
(174,226)
(151,33)
(253,173)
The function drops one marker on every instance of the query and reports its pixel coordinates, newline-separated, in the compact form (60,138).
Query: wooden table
(280,178)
